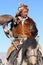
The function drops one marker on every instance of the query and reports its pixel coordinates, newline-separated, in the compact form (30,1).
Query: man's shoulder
(31,20)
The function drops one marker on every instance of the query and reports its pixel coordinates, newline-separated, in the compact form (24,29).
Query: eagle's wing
(5,19)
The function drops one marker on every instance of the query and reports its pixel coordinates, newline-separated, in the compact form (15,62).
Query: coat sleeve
(34,30)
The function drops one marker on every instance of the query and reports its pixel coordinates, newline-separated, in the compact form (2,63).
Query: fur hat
(21,8)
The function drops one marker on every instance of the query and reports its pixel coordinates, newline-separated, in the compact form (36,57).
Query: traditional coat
(24,27)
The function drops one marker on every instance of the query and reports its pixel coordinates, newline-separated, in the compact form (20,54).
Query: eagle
(6,18)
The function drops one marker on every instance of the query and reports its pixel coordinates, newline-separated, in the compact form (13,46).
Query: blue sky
(35,12)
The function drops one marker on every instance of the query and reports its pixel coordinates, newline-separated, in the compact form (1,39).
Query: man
(23,27)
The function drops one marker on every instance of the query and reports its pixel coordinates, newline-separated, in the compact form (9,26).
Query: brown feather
(5,19)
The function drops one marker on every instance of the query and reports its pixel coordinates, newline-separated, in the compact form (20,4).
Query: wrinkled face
(24,13)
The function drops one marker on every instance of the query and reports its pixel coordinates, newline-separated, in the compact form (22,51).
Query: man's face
(24,13)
